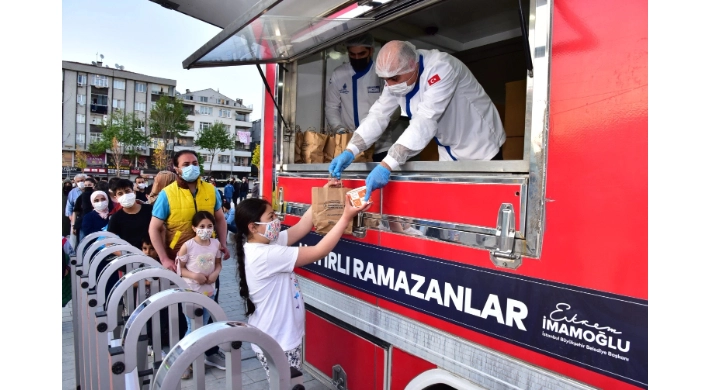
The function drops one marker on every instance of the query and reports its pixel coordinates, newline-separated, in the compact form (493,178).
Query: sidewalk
(253,374)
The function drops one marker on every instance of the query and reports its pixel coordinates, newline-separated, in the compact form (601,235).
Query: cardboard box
(357,196)
(513,148)
(514,122)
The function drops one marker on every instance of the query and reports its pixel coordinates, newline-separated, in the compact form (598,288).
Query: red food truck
(530,272)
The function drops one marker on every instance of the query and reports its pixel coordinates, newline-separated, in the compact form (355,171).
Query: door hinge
(340,379)
(504,255)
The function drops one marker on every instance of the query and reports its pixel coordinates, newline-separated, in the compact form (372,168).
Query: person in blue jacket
(228,192)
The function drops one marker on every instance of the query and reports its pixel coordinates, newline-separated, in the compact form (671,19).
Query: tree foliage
(160,157)
(80,159)
(168,120)
(213,139)
(256,156)
(122,135)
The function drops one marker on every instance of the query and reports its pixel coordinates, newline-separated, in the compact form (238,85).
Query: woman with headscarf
(66,222)
(97,219)
(162,179)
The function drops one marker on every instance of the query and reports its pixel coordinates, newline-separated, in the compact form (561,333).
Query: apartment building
(90,93)
(206,107)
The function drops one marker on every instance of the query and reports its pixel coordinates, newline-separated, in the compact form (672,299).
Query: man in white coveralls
(444,101)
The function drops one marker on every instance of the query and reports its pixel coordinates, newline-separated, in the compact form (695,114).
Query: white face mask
(127,200)
(204,234)
(80,185)
(142,186)
(101,206)
(402,88)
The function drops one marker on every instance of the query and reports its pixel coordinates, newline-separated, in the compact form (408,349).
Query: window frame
(119,81)
(82,101)
(532,169)
(142,108)
(82,116)
(139,89)
(81,80)
(118,106)
(204,99)
(100,81)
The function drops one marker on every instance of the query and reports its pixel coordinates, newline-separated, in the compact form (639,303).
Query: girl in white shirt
(266,263)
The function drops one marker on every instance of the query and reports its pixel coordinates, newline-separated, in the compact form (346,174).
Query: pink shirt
(201,260)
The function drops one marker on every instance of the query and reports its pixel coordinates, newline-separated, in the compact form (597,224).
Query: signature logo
(344,90)
(557,315)
(563,323)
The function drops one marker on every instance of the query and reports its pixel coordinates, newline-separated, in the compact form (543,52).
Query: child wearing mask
(97,219)
(132,220)
(266,263)
(199,262)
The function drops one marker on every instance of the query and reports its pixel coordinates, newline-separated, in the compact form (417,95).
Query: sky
(149,39)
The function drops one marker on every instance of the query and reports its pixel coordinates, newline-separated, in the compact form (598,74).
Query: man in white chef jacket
(352,89)
(444,102)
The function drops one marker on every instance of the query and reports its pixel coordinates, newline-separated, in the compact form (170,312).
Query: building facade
(90,93)
(206,107)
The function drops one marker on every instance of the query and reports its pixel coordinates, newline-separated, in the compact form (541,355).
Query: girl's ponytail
(248,211)
(243,287)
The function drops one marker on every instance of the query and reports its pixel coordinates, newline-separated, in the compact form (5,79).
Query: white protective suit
(350,95)
(446,104)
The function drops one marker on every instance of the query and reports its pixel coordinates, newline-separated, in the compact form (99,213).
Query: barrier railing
(105,360)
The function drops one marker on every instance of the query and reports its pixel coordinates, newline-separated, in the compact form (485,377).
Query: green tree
(168,120)
(80,160)
(201,161)
(214,138)
(256,156)
(122,135)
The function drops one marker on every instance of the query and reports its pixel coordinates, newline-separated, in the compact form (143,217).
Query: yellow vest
(183,207)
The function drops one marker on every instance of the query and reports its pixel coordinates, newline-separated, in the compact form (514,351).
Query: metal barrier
(229,336)
(80,307)
(103,360)
(138,351)
(102,313)
(124,358)
(76,269)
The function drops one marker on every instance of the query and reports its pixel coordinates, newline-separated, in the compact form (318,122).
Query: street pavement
(253,374)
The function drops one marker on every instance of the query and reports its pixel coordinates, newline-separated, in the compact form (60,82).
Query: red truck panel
(406,367)
(327,345)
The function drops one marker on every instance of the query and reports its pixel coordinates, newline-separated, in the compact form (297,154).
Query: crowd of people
(183,221)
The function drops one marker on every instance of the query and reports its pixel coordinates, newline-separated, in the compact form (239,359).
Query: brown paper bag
(366,156)
(329,148)
(328,204)
(298,148)
(312,147)
(341,143)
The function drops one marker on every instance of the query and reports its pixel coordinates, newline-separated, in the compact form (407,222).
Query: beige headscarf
(162,179)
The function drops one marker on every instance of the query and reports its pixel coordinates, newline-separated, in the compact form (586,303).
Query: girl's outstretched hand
(351,211)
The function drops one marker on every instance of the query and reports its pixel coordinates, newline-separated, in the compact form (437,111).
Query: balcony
(99,109)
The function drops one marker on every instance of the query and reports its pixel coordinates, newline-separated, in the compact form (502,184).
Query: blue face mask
(190,173)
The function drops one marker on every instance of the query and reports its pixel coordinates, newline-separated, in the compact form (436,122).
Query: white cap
(396,57)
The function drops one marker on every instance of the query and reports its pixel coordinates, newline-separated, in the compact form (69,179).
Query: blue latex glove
(377,179)
(340,163)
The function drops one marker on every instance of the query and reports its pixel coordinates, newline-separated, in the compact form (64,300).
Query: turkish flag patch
(434,79)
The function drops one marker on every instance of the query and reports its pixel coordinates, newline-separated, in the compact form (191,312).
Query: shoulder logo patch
(434,79)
